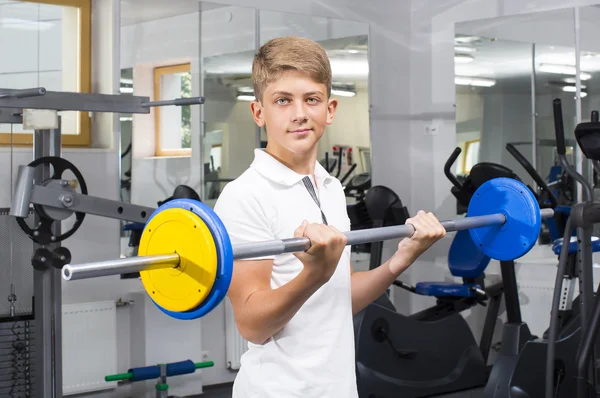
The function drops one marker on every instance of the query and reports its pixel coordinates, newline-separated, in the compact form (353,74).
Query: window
(215,157)
(50,46)
(173,123)
(471,157)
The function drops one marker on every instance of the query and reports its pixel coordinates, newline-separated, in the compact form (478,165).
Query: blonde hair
(289,53)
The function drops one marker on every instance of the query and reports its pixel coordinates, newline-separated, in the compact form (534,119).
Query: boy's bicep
(248,277)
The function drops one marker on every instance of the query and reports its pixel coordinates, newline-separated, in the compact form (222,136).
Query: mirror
(229,132)
(507,72)
(160,44)
(125,157)
(589,58)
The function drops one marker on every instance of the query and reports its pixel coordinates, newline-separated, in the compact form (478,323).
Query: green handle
(118,377)
(206,364)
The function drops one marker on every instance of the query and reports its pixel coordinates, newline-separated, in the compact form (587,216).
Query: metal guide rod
(24,93)
(274,247)
(84,102)
(175,102)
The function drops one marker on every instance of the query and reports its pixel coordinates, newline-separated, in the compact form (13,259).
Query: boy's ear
(331,108)
(257,113)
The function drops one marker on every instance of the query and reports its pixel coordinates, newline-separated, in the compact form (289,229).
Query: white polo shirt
(313,355)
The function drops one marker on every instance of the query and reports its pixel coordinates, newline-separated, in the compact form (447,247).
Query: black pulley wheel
(41,259)
(60,257)
(42,233)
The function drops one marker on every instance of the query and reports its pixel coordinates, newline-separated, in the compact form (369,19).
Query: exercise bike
(434,351)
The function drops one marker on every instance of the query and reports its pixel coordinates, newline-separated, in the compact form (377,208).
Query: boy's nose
(299,114)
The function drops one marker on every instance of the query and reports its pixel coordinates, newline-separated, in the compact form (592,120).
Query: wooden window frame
(83,139)
(464,159)
(158,72)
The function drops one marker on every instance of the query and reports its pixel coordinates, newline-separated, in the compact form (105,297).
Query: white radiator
(235,344)
(89,346)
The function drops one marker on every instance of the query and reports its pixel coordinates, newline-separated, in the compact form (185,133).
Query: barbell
(185,256)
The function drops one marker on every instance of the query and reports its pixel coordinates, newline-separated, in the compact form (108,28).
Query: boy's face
(295,110)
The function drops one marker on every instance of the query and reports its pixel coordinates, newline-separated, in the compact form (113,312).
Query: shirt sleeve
(244,218)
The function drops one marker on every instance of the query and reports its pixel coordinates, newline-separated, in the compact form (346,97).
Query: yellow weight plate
(183,232)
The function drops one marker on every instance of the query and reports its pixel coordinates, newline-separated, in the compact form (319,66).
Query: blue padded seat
(558,243)
(438,289)
(465,260)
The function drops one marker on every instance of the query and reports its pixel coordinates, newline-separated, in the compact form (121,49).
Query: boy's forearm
(367,286)
(268,311)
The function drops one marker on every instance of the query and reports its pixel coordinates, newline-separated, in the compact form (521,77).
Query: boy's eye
(281,101)
(313,100)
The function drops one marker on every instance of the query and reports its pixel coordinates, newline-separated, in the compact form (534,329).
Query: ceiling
(348,57)
(511,65)
(513,49)
(138,11)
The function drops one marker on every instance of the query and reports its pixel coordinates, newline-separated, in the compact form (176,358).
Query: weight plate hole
(153,292)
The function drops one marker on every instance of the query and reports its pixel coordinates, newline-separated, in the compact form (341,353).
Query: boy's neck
(301,164)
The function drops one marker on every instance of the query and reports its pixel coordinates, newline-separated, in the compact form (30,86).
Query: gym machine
(37,109)
(434,351)
(586,214)
(556,365)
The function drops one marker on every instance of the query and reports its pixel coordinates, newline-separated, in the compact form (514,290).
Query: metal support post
(47,290)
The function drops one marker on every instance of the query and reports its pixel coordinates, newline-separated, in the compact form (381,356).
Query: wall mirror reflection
(508,71)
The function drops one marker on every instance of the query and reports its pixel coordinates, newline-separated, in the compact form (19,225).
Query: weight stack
(17,342)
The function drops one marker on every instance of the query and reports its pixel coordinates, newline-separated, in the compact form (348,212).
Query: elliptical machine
(528,367)
(583,217)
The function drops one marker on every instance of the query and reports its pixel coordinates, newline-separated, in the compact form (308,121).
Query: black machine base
(397,356)
(514,337)
(519,369)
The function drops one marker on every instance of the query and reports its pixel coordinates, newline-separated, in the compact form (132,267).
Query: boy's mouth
(300,131)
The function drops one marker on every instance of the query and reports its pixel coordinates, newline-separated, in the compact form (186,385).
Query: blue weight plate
(224,256)
(523,219)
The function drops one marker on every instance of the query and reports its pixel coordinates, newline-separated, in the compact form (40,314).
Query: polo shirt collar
(276,171)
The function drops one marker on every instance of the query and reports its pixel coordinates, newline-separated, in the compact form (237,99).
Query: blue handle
(153,372)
